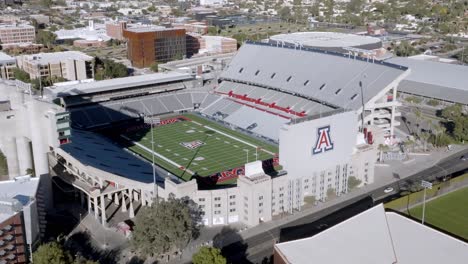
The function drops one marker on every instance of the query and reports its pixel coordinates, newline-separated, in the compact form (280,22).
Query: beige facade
(17,34)
(71,65)
(7,64)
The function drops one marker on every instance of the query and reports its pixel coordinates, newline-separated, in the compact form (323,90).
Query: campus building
(22,218)
(7,64)
(12,34)
(147,45)
(71,65)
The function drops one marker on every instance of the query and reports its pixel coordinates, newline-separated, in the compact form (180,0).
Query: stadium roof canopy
(448,82)
(95,151)
(117,83)
(327,40)
(329,77)
(376,236)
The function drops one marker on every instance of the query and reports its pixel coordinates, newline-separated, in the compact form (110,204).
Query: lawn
(448,212)
(188,146)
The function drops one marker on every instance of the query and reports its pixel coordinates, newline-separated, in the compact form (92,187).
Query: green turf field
(206,151)
(448,212)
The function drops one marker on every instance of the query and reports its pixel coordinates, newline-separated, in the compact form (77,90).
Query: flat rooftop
(325,39)
(149,29)
(56,57)
(6,57)
(117,83)
(13,26)
(376,236)
(434,79)
(19,189)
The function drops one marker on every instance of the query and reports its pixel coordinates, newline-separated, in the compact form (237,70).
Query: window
(273,75)
(354,96)
(260,211)
(260,197)
(232,197)
(232,210)
(241,70)
(322,87)
(246,198)
(306,83)
(338,91)
(260,204)
(217,198)
(232,203)
(257,72)
(202,206)
(217,212)
(217,205)
(289,78)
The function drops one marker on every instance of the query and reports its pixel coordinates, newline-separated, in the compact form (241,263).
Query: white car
(388,190)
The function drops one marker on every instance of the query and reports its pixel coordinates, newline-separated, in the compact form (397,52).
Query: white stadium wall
(302,152)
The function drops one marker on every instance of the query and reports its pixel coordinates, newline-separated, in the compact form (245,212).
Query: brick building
(17,34)
(115,30)
(147,45)
(22,218)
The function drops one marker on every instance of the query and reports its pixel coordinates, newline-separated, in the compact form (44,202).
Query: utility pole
(426,185)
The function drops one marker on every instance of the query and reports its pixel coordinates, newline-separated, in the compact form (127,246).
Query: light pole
(426,185)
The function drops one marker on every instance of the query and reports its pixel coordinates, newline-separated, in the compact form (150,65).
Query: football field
(448,212)
(189,144)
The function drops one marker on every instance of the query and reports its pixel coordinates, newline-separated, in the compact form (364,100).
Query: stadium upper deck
(330,78)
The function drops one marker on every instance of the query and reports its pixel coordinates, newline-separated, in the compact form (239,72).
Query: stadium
(279,126)
(329,41)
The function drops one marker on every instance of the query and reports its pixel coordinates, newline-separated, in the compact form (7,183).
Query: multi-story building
(115,29)
(7,64)
(22,218)
(17,34)
(147,45)
(71,65)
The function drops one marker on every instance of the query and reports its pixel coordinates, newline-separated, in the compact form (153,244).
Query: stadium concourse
(306,121)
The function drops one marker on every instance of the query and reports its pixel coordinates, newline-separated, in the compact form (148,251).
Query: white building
(374,236)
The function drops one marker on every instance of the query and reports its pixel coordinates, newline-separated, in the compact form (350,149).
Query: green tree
(462,55)
(46,3)
(45,38)
(109,69)
(353,182)
(51,253)
(21,75)
(331,193)
(166,227)
(208,255)
(285,13)
(405,49)
(154,67)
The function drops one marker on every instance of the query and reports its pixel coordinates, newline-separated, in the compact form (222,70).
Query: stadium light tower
(426,185)
(361,83)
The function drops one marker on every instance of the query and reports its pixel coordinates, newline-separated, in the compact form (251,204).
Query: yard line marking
(156,154)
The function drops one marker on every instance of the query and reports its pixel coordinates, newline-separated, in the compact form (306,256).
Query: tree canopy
(51,253)
(54,253)
(208,255)
(109,69)
(353,182)
(46,38)
(166,227)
